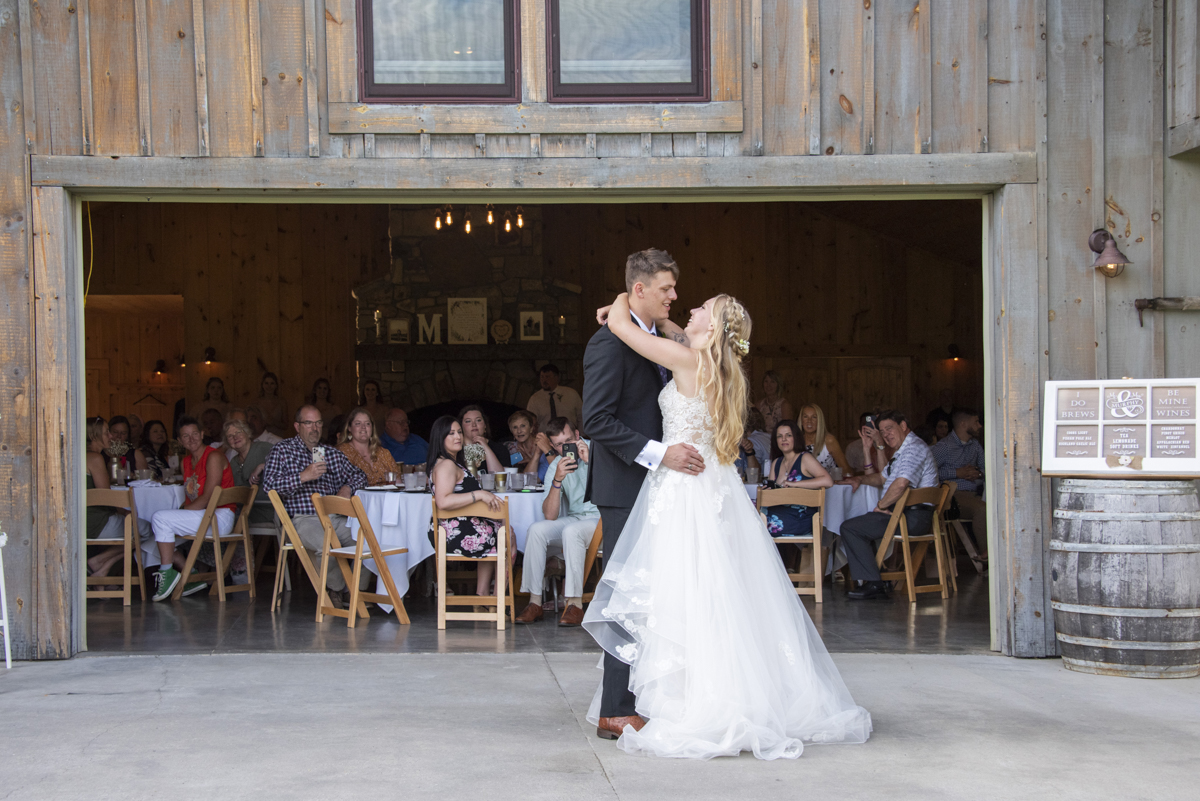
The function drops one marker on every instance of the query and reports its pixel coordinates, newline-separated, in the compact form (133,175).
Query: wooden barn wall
(121,349)
(267,286)
(852,318)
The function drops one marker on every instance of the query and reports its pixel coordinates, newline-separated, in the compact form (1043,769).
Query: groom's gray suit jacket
(620,415)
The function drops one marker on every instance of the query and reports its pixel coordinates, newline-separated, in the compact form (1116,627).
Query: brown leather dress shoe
(611,728)
(532,614)
(571,616)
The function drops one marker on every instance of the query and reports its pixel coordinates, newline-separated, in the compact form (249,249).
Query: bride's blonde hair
(721,378)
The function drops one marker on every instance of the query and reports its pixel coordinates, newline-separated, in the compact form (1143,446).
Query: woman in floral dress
(792,468)
(455,488)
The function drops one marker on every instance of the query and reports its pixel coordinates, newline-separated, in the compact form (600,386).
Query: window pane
(439,41)
(625,41)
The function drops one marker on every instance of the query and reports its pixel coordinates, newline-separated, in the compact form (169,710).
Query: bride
(723,657)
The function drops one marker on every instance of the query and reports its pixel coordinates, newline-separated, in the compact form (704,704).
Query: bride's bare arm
(671,354)
(669,328)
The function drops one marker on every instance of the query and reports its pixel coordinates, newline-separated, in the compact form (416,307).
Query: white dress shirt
(652,455)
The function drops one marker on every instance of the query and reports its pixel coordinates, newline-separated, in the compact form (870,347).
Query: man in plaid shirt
(299,467)
(960,459)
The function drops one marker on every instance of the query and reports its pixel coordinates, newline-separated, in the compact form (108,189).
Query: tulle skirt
(723,656)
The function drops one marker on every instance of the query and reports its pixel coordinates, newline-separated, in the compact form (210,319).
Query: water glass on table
(487,481)
(390,478)
(501,480)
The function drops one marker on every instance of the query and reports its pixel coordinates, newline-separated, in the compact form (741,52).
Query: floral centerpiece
(474,455)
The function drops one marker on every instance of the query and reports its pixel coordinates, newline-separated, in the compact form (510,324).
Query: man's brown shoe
(571,616)
(611,728)
(532,614)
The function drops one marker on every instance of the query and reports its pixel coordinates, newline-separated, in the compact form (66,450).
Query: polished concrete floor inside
(202,625)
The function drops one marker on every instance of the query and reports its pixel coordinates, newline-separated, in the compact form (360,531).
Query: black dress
(791,520)
(470,536)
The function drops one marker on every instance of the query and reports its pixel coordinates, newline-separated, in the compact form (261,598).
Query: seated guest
(371,399)
(214,398)
(104,522)
(299,467)
(793,468)
(454,488)
(121,449)
(273,408)
(756,426)
(476,430)
(774,406)
(258,425)
(854,451)
(959,458)
(819,441)
(155,447)
(941,430)
(334,431)
(204,469)
(361,446)
(525,452)
(247,463)
(912,465)
(320,397)
(211,421)
(404,446)
(569,525)
(553,400)
(135,430)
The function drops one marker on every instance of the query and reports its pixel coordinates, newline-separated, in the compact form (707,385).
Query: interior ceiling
(952,229)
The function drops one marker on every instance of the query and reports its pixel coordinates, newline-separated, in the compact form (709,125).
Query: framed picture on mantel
(1131,428)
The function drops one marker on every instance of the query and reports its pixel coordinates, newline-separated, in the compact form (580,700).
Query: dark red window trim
(409,94)
(698,90)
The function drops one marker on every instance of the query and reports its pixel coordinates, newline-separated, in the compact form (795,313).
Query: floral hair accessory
(743,346)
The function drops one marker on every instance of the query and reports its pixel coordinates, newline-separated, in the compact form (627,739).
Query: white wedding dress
(723,657)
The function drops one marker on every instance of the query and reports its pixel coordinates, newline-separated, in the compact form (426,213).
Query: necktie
(553,408)
(663,374)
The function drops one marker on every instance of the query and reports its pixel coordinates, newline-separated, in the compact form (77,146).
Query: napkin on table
(145,482)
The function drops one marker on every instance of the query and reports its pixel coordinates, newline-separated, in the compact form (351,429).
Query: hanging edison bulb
(520,217)
(491,217)
(507,222)
(467,224)
(449,215)
(437,220)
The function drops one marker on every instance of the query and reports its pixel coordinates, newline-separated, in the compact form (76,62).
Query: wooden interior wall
(267,286)
(851,316)
(124,337)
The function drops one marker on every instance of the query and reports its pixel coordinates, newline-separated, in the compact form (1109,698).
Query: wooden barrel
(1125,577)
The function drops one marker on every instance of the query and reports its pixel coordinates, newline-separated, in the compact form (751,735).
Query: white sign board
(1130,427)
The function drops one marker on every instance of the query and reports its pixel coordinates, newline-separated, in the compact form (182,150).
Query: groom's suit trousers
(616,701)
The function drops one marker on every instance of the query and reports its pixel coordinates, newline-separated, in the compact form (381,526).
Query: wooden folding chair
(268,534)
(935,497)
(977,559)
(504,595)
(593,552)
(289,542)
(795,496)
(207,532)
(350,559)
(118,499)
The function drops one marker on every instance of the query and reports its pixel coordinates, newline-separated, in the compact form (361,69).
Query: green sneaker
(164,583)
(193,588)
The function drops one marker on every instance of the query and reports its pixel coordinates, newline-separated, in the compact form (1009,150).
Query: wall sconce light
(210,355)
(955,353)
(160,366)
(182,360)
(1109,261)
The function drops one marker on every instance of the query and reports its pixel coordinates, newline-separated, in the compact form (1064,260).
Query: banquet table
(401,520)
(149,500)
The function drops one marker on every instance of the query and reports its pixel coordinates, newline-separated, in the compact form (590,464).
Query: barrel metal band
(1120,547)
(1133,517)
(1187,488)
(1125,645)
(1135,671)
(1120,611)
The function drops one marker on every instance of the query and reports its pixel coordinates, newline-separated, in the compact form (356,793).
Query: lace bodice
(685,419)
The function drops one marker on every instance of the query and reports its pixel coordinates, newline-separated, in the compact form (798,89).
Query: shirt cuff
(652,455)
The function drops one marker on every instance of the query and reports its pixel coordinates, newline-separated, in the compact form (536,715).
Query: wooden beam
(925,121)
(536,118)
(868,70)
(341,50)
(85,78)
(27,91)
(142,47)
(1184,139)
(725,23)
(752,136)
(533,51)
(760,176)
(257,78)
(201,75)
(310,79)
(812,24)
(58,421)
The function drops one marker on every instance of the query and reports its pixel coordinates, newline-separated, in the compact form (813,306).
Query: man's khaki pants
(312,534)
(972,507)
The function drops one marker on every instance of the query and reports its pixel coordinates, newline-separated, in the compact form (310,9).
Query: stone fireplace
(428,267)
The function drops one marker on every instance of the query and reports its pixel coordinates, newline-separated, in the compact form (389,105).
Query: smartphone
(571,449)
(871,421)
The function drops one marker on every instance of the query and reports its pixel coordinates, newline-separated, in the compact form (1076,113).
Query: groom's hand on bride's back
(684,458)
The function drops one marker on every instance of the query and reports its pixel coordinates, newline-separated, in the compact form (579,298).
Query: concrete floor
(509,726)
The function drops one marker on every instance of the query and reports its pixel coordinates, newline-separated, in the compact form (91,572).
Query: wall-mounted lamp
(182,360)
(1109,261)
(210,355)
(954,351)
(160,366)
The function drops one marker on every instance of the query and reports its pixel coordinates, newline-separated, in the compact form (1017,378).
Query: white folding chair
(4,605)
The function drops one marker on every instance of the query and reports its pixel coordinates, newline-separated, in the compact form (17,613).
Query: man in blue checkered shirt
(300,467)
(960,459)
(912,465)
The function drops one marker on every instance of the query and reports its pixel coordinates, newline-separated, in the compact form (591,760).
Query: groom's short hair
(645,264)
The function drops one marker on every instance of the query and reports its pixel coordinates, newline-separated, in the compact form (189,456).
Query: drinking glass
(390,477)
(752,475)
(487,481)
(501,481)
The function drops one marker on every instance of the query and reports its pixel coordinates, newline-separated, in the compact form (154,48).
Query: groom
(622,418)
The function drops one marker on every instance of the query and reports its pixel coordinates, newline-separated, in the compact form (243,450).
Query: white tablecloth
(155,499)
(401,520)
